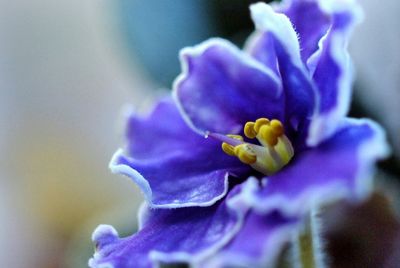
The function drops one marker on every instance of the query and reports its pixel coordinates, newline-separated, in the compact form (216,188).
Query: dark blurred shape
(365,236)
(394,259)
(232,19)
(177,265)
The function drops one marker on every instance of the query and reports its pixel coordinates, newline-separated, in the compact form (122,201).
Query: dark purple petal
(331,69)
(174,166)
(339,167)
(258,243)
(276,34)
(310,23)
(221,88)
(173,235)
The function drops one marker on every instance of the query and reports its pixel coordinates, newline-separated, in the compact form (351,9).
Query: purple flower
(278,110)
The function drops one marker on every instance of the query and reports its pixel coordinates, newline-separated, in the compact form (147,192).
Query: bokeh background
(68,69)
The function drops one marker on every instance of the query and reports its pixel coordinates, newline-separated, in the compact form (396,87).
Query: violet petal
(331,69)
(222,88)
(299,90)
(258,243)
(309,21)
(187,235)
(338,168)
(174,166)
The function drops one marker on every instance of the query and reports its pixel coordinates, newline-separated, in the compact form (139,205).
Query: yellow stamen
(274,152)
(259,123)
(249,131)
(245,153)
(267,133)
(277,127)
(228,149)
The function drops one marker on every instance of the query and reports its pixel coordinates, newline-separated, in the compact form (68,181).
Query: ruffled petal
(174,166)
(338,168)
(332,70)
(187,235)
(309,21)
(258,243)
(222,88)
(275,33)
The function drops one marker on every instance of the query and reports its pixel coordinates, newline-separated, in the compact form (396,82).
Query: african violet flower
(278,111)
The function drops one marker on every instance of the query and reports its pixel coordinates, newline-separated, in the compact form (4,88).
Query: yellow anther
(249,131)
(237,137)
(259,123)
(277,127)
(228,149)
(267,134)
(273,152)
(245,154)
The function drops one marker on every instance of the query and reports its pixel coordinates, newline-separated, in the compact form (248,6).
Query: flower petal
(221,88)
(309,21)
(331,69)
(186,235)
(339,167)
(300,94)
(258,243)
(174,166)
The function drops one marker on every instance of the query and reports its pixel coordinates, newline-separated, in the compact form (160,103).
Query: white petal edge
(269,259)
(335,6)
(320,127)
(339,43)
(266,19)
(144,185)
(143,215)
(369,152)
(102,230)
(238,203)
(197,51)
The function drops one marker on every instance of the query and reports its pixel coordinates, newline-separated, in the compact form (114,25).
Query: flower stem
(308,250)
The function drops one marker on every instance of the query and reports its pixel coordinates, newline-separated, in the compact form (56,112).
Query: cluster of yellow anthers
(274,152)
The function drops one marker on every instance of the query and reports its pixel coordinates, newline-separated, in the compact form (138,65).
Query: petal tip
(351,7)
(261,14)
(382,147)
(117,167)
(104,234)
(92,263)
(268,20)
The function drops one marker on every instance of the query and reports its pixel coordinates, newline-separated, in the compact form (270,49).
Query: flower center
(272,155)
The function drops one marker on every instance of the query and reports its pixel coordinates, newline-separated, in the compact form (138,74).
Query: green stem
(309,253)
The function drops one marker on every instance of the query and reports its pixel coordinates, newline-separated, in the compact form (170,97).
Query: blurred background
(68,69)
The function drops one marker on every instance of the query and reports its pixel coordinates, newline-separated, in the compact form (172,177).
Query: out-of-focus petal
(258,243)
(187,235)
(222,88)
(331,68)
(174,166)
(338,168)
(275,30)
